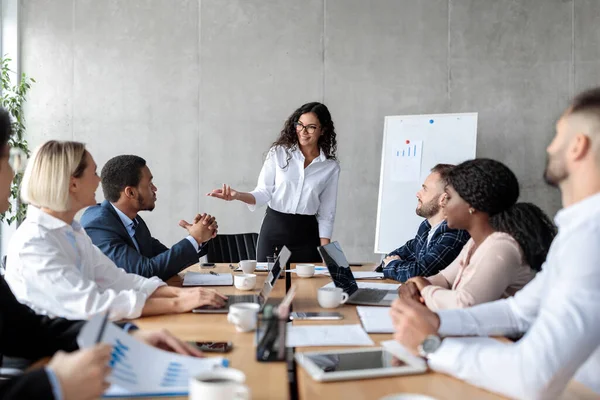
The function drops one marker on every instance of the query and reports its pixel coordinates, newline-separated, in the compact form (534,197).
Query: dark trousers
(299,233)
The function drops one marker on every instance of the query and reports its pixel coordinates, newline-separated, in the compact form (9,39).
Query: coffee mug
(248,266)
(331,297)
(243,316)
(219,384)
(244,281)
(305,270)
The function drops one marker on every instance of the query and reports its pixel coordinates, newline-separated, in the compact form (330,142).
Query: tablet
(339,365)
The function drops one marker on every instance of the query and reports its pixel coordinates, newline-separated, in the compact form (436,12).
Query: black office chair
(232,248)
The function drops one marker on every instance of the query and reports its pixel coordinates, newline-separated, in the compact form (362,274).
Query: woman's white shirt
(55,269)
(293,189)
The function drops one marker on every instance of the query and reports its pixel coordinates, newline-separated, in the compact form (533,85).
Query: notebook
(375,319)
(207,279)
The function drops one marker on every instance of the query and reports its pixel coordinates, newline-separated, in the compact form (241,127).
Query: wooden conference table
(271,380)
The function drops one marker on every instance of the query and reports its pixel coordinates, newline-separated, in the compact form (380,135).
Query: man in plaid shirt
(435,245)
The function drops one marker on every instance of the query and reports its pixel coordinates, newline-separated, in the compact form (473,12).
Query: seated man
(557,310)
(81,374)
(116,228)
(435,245)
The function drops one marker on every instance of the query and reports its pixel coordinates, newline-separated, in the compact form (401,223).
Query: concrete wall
(201,88)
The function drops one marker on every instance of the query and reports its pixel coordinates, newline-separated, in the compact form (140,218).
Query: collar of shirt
(433,229)
(48,221)
(578,212)
(128,222)
(298,154)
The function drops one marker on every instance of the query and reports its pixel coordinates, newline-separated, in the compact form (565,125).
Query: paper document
(138,368)
(372,285)
(327,335)
(375,319)
(207,279)
(406,161)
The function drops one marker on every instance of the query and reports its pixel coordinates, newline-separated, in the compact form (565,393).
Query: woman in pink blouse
(508,244)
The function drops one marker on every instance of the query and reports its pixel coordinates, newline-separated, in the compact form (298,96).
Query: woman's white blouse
(298,190)
(55,269)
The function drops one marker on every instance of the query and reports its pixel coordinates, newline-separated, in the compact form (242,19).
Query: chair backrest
(232,248)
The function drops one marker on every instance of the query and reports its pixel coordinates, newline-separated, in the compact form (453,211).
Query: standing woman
(299,183)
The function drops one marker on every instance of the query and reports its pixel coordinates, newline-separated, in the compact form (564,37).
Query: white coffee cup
(243,316)
(219,384)
(248,266)
(305,270)
(331,297)
(244,281)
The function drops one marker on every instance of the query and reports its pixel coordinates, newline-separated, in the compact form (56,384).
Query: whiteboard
(412,145)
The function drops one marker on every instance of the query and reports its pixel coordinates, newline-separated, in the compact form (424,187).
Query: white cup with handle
(331,297)
(244,281)
(248,266)
(219,384)
(243,316)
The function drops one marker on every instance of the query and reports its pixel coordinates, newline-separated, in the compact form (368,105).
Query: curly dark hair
(6,130)
(120,172)
(531,227)
(491,187)
(289,138)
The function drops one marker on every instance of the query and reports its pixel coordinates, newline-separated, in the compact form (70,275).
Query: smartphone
(213,347)
(207,265)
(316,315)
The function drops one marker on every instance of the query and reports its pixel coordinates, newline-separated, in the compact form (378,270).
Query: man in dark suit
(81,374)
(116,228)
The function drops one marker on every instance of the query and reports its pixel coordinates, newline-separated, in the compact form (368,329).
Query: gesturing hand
(225,193)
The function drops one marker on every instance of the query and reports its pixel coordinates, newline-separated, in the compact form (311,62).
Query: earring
(471,211)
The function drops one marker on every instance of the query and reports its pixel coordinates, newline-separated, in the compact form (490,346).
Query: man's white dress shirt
(559,311)
(293,189)
(55,269)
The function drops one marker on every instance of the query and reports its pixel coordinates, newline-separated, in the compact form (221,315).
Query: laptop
(261,298)
(342,277)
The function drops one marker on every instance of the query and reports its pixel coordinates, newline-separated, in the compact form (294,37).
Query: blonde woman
(52,265)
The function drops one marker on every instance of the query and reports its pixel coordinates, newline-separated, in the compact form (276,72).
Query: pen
(213,273)
(102,327)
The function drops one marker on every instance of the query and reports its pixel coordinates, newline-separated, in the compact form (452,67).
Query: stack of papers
(207,279)
(139,369)
(327,335)
(375,319)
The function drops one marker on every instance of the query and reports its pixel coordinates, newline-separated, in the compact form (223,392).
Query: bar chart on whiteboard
(406,161)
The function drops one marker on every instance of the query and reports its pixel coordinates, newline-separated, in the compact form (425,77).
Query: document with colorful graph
(139,369)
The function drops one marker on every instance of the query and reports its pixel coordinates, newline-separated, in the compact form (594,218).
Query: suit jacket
(27,335)
(103,225)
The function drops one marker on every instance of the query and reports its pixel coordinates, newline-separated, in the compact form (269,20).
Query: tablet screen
(376,359)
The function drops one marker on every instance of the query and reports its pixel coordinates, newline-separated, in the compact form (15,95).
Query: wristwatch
(429,345)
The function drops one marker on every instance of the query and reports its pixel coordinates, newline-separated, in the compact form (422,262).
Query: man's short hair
(120,172)
(443,170)
(588,102)
(48,175)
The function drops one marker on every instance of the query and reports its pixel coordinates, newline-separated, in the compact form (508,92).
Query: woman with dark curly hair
(509,242)
(299,182)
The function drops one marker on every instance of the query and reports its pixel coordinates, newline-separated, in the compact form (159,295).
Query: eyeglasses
(310,129)
(17,159)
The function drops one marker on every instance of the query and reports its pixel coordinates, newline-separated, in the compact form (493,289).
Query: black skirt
(299,233)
